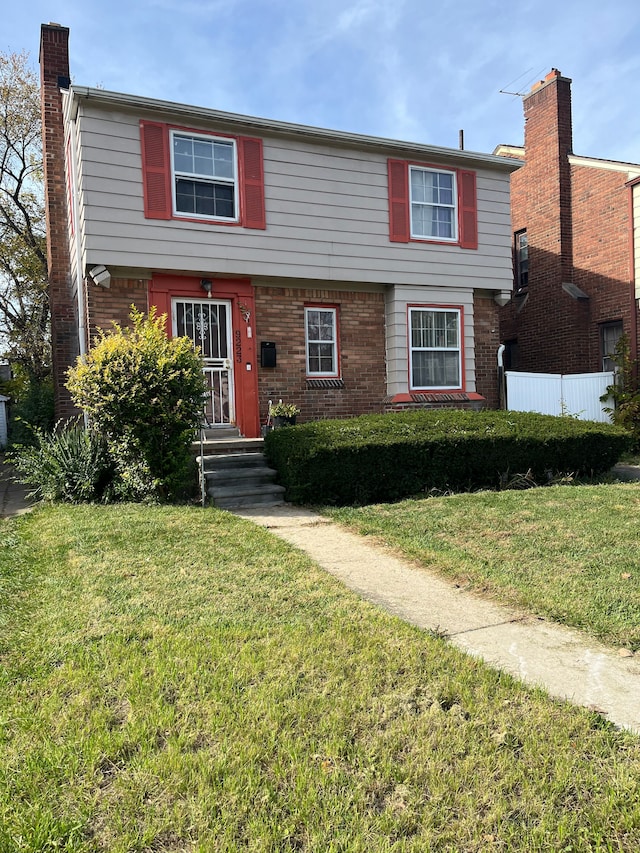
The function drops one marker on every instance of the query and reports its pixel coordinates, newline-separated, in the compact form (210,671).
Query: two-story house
(340,272)
(576,245)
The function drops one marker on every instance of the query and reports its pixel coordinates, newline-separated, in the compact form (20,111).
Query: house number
(238,347)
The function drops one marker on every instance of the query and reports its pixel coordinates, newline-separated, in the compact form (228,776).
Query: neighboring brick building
(342,273)
(574,229)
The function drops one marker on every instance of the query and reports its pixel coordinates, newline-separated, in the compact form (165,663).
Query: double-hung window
(435,349)
(433,203)
(208,177)
(428,203)
(610,334)
(321,334)
(204,176)
(521,249)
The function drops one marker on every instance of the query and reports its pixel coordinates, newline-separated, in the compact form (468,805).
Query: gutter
(236,121)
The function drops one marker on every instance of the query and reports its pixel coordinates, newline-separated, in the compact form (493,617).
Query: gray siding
(397,301)
(326,212)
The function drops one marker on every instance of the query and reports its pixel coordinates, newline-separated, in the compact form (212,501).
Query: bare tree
(24,305)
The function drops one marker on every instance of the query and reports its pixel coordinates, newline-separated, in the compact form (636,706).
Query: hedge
(378,458)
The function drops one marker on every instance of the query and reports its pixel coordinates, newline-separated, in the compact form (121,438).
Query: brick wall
(577,223)
(601,223)
(113,304)
(54,64)
(487,341)
(280,318)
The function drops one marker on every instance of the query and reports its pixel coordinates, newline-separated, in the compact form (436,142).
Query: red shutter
(398,201)
(467,201)
(155,170)
(252,182)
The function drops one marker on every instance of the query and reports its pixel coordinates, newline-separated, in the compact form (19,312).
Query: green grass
(179,680)
(565,552)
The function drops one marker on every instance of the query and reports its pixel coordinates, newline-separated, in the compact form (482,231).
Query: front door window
(208,324)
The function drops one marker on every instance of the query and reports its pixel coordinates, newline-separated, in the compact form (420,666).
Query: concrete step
(264,494)
(248,474)
(220,432)
(227,445)
(236,479)
(233,461)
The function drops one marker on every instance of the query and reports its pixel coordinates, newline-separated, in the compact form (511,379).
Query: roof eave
(280,128)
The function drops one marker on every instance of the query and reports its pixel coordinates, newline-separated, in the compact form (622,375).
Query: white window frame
(205,179)
(617,327)
(433,309)
(522,259)
(453,207)
(322,374)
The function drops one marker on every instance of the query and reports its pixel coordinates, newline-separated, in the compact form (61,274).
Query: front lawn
(176,679)
(569,553)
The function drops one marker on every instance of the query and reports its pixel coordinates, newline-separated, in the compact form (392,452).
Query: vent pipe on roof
(461,140)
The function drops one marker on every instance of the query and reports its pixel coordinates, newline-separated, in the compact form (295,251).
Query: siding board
(327,216)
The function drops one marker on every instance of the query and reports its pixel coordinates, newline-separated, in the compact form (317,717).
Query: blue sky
(410,69)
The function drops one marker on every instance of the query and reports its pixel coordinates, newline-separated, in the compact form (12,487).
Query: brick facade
(280,318)
(487,341)
(265,308)
(106,306)
(54,74)
(578,224)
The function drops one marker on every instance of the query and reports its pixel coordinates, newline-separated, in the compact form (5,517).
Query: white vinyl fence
(553,394)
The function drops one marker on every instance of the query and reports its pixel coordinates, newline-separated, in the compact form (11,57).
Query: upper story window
(204,176)
(321,335)
(433,204)
(429,203)
(521,249)
(192,175)
(435,348)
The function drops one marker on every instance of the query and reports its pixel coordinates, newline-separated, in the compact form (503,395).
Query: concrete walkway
(13,496)
(566,663)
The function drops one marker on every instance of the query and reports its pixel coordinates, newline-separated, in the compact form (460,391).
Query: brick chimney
(548,142)
(54,76)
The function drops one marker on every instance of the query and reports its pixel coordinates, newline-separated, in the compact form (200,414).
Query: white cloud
(408,69)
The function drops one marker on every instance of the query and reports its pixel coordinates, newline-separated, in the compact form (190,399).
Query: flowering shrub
(143,391)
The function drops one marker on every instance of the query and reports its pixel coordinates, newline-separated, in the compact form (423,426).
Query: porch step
(264,494)
(221,463)
(221,432)
(215,446)
(240,479)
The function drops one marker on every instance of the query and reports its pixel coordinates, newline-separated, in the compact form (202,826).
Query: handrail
(203,479)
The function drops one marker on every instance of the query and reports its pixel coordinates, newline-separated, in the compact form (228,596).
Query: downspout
(80,291)
(502,391)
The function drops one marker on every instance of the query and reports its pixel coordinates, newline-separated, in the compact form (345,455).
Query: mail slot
(267,354)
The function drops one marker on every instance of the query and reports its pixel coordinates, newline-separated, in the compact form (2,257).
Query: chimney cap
(554,74)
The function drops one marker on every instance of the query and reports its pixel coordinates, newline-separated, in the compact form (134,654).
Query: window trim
(399,204)
(609,324)
(157,177)
(435,389)
(414,167)
(333,308)
(519,287)
(234,182)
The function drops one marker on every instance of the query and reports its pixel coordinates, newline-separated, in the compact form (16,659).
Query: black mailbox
(267,354)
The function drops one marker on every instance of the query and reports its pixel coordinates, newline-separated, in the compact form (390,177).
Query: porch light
(207,285)
(100,275)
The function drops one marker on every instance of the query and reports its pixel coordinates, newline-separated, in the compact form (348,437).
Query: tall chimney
(548,142)
(54,76)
